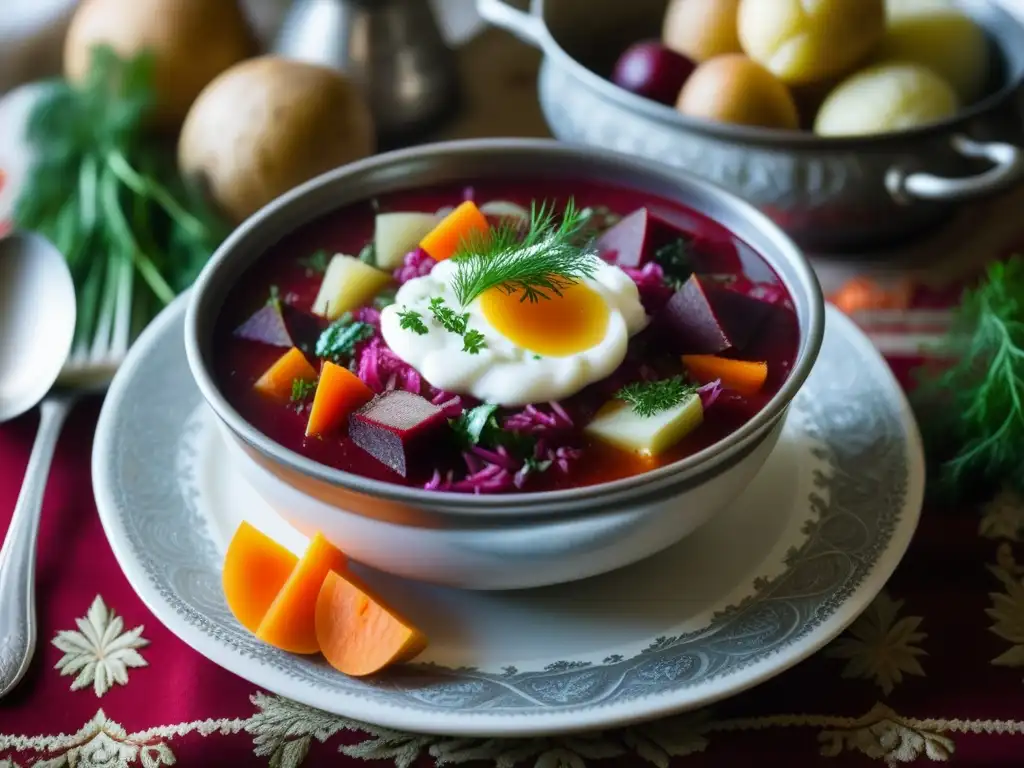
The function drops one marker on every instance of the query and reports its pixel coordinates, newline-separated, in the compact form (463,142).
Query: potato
(347,285)
(883,98)
(800,41)
(192,41)
(701,29)
(939,35)
(269,124)
(619,425)
(734,89)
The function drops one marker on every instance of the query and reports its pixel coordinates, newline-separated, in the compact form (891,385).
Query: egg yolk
(557,326)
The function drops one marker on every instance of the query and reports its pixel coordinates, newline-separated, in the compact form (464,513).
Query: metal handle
(528,27)
(1008,161)
(18,555)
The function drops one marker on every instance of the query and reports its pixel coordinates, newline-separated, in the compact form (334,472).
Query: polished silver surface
(828,194)
(497,158)
(37,326)
(393,48)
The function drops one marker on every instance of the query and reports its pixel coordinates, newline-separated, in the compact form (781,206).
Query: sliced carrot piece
(289,622)
(358,633)
(338,393)
(277,381)
(444,240)
(743,376)
(255,569)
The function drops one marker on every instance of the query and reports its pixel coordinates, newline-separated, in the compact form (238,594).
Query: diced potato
(397,233)
(619,425)
(348,284)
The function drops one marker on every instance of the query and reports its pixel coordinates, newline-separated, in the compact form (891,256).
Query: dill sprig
(545,260)
(976,405)
(651,397)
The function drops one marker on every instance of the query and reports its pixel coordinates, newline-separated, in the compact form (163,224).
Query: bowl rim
(796,139)
(810,337)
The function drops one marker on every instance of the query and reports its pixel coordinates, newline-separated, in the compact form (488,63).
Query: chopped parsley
(473,341)
(302,390)
(340,338)
(316,264)
(674,260)
(651,397)
(449,319)
(412,320)
(472,425)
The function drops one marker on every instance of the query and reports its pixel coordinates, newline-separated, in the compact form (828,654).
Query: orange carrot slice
(255,569)
(277,381)
(338,393)
(358,633)
(743,376)
(289,622)
(444,240)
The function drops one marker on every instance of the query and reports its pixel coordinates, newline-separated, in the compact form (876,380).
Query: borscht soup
(505,336)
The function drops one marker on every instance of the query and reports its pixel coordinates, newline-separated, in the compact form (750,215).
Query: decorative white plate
(758,589)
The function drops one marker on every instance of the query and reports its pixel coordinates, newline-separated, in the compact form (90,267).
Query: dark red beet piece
(396,427)
(632,241)
(280,325)
(651,70)
(702,318)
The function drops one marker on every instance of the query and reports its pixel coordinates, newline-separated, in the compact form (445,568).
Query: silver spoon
(37,326)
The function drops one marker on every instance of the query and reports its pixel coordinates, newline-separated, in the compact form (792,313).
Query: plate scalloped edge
(867,511)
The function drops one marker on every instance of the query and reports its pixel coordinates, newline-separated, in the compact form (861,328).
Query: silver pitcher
(393,48)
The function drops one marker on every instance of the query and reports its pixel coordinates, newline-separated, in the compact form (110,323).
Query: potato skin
(269,124)
(192,42)
(939,35)
(734,89)
(883,98)
(808,41)
(701,29)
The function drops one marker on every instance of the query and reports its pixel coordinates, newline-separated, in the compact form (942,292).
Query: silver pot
(833,194)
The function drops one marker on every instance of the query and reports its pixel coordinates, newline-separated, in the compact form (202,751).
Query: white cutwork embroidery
(100,653)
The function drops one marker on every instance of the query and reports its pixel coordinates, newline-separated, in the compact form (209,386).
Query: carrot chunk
(339,393)
(444,240)
(289,622)
(358,633)
(743,376)
(255,569)
(277,381)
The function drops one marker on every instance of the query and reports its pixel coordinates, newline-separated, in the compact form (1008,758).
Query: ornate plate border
(866,512)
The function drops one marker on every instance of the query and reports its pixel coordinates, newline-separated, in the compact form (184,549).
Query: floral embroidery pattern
(1003,517)
(283,731)
(1007,609)
(881,647)
(100,653)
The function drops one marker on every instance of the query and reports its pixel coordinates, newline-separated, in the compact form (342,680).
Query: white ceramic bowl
(501,541)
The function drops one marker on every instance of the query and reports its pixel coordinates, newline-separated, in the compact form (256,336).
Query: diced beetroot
(280,325)
(702,318)
(633,240)
(396,427)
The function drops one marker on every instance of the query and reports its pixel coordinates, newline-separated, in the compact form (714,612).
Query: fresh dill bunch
(651,397)
(545,260)
(976,405)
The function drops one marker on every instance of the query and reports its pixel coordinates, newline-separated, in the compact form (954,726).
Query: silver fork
(88,370)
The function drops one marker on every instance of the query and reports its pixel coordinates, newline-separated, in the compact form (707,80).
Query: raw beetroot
(651,70)
(702,318)
(396,427)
